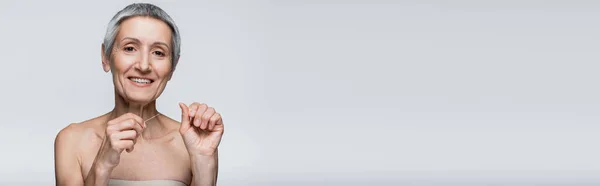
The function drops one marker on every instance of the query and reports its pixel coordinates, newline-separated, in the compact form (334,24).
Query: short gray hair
(145,10)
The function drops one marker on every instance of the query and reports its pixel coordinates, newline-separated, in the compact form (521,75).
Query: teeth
(139,80)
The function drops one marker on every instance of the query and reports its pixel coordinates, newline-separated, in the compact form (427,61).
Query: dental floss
(151,118)
(142,111)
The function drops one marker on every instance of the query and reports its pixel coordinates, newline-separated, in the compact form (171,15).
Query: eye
(159,53)
(129,49)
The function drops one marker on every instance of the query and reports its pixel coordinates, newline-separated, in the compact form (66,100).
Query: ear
(105,61)
(170,75)
(173,70)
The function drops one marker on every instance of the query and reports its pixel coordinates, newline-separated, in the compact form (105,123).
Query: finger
(185,117)
(118,120)
(132,129)
(121,145)
(117,139)
(125,135)
(137,119)
(214,120)
(125,117)
(126,145)
(206,117)
(198,116)
(129,135)
(193,109)
(129,125)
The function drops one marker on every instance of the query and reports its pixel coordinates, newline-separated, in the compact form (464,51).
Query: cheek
(122,62)
(162,69)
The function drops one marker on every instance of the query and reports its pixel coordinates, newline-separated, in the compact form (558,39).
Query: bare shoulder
(68,134)
(76,134)
(73,147)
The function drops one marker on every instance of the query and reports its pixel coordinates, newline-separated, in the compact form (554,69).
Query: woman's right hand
(121,134)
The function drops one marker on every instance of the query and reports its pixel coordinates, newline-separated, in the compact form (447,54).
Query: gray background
(333,92)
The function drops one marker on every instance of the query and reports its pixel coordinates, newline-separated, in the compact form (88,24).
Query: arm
(67,162)
(99,174)
(67,168)
(205,170)
(121,133)
(202,138)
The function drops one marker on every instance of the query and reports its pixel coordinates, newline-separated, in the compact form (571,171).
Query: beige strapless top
(115,182)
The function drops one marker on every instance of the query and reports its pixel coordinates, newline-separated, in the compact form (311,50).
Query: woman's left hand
(201,129)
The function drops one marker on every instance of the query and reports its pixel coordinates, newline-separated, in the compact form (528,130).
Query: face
(141,59)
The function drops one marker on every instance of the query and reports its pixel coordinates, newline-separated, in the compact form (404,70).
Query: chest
(166,160)
(150,162)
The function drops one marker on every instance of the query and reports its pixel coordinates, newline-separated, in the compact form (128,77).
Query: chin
(140,99)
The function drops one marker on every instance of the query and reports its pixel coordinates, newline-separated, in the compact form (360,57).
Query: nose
(143,64)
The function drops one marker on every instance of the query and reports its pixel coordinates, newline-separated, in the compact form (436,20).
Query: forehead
(146,29)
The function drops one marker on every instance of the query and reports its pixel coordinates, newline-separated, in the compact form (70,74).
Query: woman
(141,49)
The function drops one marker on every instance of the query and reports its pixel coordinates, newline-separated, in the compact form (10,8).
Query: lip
(140,84)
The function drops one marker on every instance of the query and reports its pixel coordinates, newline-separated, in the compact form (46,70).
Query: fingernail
(197,121)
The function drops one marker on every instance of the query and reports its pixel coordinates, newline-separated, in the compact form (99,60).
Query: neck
(145,111)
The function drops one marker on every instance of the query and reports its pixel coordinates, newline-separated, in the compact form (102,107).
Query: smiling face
(141,59)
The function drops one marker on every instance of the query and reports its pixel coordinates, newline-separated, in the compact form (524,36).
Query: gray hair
(146,10)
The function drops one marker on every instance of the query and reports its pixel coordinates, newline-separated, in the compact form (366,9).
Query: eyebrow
(138,41)
(161,43)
